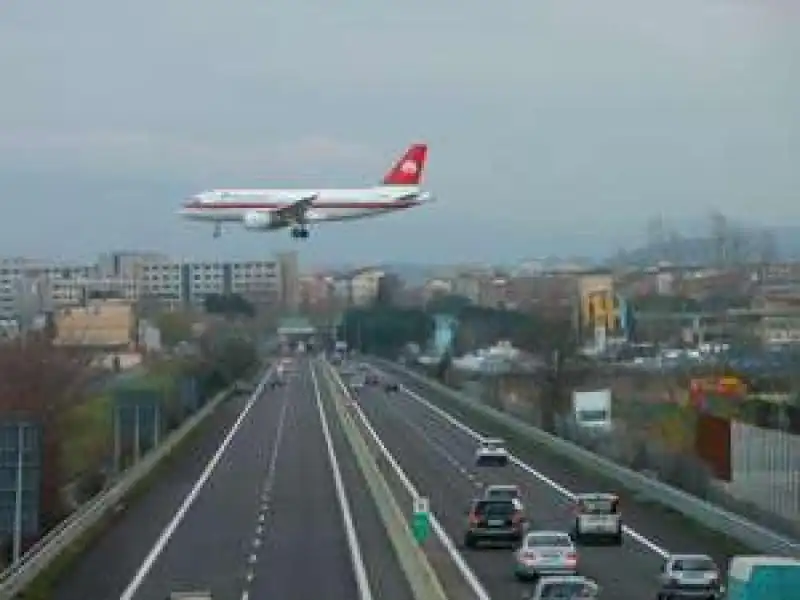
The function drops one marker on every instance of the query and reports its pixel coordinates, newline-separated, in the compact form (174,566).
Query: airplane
(271,209)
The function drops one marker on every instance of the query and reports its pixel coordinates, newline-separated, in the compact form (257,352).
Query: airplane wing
(296,211)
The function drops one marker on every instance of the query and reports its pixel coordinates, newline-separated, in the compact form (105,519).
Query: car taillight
(527,555)
(473,519)
(572,557)
(516,518)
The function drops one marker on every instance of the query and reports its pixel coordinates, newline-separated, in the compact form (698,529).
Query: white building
(364,287)
(29,287)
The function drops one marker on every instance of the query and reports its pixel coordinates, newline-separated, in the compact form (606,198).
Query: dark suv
(500,520)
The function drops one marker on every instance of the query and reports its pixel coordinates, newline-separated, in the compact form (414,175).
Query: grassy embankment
(86,445)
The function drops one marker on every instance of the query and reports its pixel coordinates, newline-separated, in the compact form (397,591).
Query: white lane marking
(245,595)
(433,443)
(179,515)
(269,480)
(450,419)
(362,581)
(466,572)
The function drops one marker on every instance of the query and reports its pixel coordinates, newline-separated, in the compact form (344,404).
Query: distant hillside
(777,244)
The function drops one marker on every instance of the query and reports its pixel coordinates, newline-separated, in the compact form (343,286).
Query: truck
(763,578)
(592,410)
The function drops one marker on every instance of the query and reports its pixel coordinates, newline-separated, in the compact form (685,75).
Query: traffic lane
(305,552)
(449,491)
(209,547)
(107,566)
(545,507)
(667,529)
(382,564)
(626,572)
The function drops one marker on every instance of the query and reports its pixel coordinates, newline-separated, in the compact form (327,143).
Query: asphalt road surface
(438,456)
(265,522)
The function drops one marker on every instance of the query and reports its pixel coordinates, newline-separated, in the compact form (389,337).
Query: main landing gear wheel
(300,233)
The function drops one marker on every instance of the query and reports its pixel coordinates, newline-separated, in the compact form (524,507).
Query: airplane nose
(193,201)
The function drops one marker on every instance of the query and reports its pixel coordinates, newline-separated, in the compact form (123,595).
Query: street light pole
(18,499)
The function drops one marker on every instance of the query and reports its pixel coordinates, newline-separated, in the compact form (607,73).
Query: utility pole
(17,552)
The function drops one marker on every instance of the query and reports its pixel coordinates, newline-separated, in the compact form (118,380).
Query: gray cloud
(563,119)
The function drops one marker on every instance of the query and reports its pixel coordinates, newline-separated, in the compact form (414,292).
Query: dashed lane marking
(635,535)
(269,480)
(180,514)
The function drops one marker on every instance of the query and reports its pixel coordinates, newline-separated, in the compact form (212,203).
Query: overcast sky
(555,126)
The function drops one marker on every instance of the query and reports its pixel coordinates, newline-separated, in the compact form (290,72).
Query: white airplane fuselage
(248,206)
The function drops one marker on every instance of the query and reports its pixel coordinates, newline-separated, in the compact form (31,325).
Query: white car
(690,575)
(492,451)
(597,516)
(546,553)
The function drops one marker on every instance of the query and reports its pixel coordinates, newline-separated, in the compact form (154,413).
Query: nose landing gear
(299,232)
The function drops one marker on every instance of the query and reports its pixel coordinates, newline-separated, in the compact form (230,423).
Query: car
(371,379)
(546,553)
(565,587)
(690,576)
(390,387)
(492,451)
(357,382)
(495,521)
(504,491)
(597,517)
(243,387)
(190,596)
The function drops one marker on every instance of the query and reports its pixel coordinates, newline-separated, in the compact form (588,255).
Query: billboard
(20,446)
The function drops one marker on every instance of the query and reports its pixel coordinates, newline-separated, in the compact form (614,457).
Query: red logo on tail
(408,170)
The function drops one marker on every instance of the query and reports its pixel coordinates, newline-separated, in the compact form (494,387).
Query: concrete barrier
(422,578)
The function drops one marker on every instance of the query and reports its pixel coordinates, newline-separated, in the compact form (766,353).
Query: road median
(421,576)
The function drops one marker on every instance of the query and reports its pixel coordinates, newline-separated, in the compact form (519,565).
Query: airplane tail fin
(408,170)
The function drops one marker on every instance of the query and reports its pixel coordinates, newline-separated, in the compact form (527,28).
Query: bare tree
(39,381)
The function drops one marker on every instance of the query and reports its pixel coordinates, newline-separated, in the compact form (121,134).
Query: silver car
(567,587)
(690,576)
(546,553)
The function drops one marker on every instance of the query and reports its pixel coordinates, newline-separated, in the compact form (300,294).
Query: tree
(226,356)
(175,327)
(385,330)
(228,305)
(449,304)
(40,382)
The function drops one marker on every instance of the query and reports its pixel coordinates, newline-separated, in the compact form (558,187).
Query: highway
(268,504)
(437,454)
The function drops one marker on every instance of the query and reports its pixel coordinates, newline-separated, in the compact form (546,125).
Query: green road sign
(421,521)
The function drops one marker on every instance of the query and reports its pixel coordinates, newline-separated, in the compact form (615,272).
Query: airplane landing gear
(299,232)
(217,230)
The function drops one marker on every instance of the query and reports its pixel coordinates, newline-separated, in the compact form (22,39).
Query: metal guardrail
(422,578)
(16,577)
(708,515)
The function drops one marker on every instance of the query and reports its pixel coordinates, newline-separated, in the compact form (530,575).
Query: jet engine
(261,220)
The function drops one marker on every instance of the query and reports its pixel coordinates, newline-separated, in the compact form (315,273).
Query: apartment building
(29,287)
(364,286)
